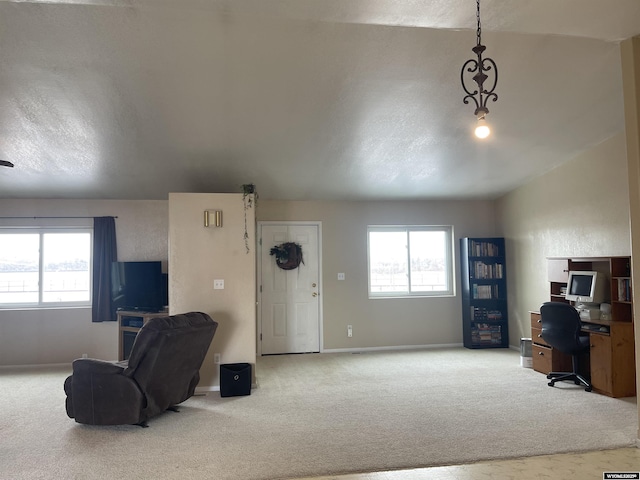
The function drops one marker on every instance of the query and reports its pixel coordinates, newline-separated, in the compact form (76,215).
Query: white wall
(197,257)
(59,336)
(580,209)
(29,337)
(381,322)
(630,54)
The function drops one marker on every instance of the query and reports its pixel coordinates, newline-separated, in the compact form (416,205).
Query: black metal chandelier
(483,71)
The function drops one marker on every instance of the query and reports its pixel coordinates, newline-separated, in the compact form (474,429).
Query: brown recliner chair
(162,371)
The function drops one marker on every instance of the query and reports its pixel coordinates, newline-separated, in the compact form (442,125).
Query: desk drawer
(536,322)
(546,359)
(536,336)
(542,358)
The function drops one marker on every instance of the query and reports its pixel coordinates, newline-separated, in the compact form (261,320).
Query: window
(410,261)
(45,267)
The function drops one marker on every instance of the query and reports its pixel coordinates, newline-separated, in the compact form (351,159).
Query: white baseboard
(36,366)
(390,348)
(206,389)
(214,388)
(199,390)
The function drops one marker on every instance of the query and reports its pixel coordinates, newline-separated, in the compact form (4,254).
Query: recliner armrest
(99,394)
(97,367)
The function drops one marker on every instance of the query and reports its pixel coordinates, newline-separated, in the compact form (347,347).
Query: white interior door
(289,299)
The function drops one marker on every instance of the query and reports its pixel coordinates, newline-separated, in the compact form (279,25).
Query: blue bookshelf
(484,293)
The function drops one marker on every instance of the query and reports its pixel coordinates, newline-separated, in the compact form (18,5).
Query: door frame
(317,224)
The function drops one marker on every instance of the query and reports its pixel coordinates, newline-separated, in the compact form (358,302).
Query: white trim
(41,232)
(214,388)
(315,223)
(407,229)
(391,348)
(36,366)
(198,391)
(207,389)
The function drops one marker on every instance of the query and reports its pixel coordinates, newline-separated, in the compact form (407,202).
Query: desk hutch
(611,362)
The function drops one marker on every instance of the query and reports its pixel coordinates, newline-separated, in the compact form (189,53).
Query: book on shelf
(482,292)
(624,289)
(483,249)
(486,334)
(487,328)
(481,314)
(487,271)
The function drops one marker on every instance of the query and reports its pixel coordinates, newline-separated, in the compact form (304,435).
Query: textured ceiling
(308,99)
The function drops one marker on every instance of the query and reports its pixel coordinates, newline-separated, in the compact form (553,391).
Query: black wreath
(288,255)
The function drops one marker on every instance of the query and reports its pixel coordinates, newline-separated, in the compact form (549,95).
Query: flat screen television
(587,287)
(138,286)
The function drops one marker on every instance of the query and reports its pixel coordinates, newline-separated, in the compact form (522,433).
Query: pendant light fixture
(484,72)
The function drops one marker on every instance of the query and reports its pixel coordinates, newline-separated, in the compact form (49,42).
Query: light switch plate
(341,276)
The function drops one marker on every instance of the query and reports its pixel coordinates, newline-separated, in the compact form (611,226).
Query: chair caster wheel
(587,389)
(577,382)
(550,384)
(549,377)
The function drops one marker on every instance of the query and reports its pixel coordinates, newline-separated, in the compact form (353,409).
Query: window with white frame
(406,261)
(45,267)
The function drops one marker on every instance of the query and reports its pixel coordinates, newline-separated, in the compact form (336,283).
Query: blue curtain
(104,253)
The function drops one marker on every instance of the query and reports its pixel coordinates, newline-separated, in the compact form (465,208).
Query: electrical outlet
(216,358)
(341,276)
(218,284)
(84,355)
(349,330)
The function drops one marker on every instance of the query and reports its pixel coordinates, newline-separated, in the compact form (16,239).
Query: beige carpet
(318,415)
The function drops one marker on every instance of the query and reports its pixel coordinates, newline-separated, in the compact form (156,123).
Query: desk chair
(561,329)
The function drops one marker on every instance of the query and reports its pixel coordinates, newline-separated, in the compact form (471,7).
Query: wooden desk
(611,361)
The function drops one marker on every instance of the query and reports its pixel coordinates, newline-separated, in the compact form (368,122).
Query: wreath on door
(288,255)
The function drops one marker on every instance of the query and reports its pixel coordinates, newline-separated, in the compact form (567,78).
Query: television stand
(129,324)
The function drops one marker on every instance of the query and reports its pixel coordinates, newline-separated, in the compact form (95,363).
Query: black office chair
(561,329)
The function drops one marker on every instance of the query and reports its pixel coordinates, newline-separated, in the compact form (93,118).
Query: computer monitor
(587,287)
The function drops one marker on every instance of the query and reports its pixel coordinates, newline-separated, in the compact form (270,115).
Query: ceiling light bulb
(482,129)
